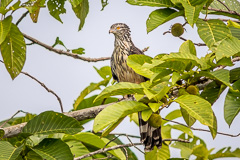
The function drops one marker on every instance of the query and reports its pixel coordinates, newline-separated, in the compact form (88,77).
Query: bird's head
(119,29)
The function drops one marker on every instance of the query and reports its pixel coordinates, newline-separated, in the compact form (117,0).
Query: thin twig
(197,44)
(44,86)
(200,129)
(111,141)
(62,52)
(123,134)
(134,145)
(224,5)
(126,153)
(21,18)
(178,140)
(107,149)
(11,118)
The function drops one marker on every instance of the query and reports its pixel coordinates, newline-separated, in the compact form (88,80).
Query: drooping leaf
(115,112)
(172,115)
(213,129)
(227,48)
(225,152)
(188,47)
(52,122)
(52,149)
(234,74)
(232,104)
(235,32)
(111,127)
(155,106)
(8,152)
(77,148)
(212,31)
(81,11)
(92,87)
(104,4)
(35,9)
(13,50)
(187,118)
(79,51)
(105,72)
(56,8)
(197,108)
(152,3)
(5,26)
(122,88)
(146,114)
(90,139)
(192,12)
(158,154)
(74,3)
(5,3)
(160,16)
(184,129)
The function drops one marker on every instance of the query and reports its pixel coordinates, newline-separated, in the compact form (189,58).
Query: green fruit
(177,30)
(155,120)
(192,90)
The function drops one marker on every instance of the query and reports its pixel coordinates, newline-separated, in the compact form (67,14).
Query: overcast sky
(68,77)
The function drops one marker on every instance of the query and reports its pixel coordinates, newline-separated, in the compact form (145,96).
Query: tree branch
(197,44)
(62,52)
(200,129)
(220,10)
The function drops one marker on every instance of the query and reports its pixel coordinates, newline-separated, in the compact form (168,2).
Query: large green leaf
(172,115)
(225,152)
(56,8)
(188,47)
(8,152)
(92,87)
(52,122)
(187,118)
(105,72)
(232,104)
(53,149)
(140,63)
(77,148)
(122,88)
(5,26)
(152,3)
(90,139)
(13,50)
(158,154)
(234,74)
(160,16)
(192,12)
(227,48)
(221,75)
(197,108)
(115,112)
(212,31)
(81,11)
(235,32)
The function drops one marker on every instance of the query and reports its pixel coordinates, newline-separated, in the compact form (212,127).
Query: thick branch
(78,115)
(62,52)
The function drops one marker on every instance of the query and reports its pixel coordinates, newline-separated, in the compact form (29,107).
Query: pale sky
(67,77)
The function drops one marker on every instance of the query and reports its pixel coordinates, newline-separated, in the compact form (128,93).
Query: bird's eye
(118,28)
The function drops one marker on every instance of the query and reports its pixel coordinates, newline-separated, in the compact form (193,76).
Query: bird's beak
(111,31)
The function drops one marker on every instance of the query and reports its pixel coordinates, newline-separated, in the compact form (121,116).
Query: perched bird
(121,72)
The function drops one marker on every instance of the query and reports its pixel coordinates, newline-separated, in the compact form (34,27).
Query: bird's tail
(150,136)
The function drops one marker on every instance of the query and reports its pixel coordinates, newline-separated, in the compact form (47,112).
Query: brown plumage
(121,72)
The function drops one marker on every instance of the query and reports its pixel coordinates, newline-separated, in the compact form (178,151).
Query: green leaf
(184,129)
(52,122)
(115,112)
(8,152)
(235,32)
(105,72)
(227,48)
(78,149)
(79,51)
(233,24)
(234,74)
(81,11)
(56,8)
(158,154)
(13,50)
(53,149)
(59,42)
(104,4)
(5,3)
(197,108)
(136,62)
(155,106)
(19,120)
(146,114)
(212,31)
(2,133)
(74,3)
(200,151)
(5,26)
(213,129)
(111,127)
(92,87)
(225,152)
(122,88)
(187,118)
(175,77)
(160,16)
(90,139)
(173,115)
(232,104)
(188,47)
(34,8)
(220,75)
(152,3)
(192,12)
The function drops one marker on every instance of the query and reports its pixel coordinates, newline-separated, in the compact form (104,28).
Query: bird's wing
(135,50)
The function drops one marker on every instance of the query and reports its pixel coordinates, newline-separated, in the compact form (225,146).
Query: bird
(121,72)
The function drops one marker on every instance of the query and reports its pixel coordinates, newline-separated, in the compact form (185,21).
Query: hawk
(121,72)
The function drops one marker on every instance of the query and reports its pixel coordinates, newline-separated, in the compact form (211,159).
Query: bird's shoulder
(135,50)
